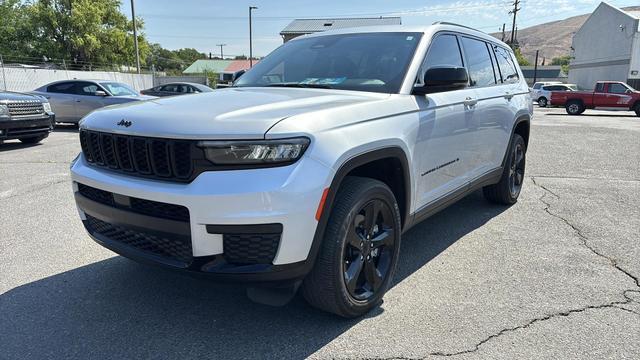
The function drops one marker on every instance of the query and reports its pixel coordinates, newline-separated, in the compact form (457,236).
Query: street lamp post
(251,8)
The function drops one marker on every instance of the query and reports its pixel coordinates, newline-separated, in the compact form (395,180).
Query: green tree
(563,61)
(84,31)
(522,61)
(172,61)
(14,28)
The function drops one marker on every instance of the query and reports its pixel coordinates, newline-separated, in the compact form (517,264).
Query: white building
(607,47)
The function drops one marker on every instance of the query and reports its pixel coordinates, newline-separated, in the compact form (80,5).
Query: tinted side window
(63,88)
(599,87)
(617,89)
(170,88)
(537,86)
(505,63)
(443,51)
(478,62)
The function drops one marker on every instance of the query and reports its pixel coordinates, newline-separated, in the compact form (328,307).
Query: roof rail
(454,24)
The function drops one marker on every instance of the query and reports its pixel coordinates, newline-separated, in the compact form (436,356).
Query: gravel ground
(554,276)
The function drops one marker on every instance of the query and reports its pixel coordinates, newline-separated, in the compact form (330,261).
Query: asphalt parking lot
(554,276)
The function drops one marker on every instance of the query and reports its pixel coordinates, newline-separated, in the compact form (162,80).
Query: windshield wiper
(301,85)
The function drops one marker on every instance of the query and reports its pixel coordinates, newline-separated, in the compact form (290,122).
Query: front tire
(542,101)
(637,110)
(359,251)
(508,189)
(33,140)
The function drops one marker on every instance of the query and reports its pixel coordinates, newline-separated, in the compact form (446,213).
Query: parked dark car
(177,88)
(25,117)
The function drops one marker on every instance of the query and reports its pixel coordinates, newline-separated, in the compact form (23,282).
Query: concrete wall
(634,68)
(603,47)
(19,79)
(586,78)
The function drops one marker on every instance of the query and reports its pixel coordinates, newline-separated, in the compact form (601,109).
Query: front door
(443,153)
(86,98)
(617,96)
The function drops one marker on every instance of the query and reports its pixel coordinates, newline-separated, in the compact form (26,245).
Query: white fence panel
(23,79)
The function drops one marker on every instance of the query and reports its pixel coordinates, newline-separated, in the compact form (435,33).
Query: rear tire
(574,107)
(542,101)
(33,140)
(359,251)
(508,189)
(637,110)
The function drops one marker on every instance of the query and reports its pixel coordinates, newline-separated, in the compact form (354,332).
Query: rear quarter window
(508,71)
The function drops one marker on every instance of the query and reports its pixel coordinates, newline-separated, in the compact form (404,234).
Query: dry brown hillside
(553,39)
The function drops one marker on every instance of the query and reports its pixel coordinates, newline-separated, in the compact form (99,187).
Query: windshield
(119,89)
(374,62)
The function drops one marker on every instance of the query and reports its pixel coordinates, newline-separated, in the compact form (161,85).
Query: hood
(232,113)
(7,96)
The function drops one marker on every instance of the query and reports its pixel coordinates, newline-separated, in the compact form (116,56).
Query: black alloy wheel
(368,250)
(516,170)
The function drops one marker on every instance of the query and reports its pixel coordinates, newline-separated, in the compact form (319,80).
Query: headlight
(4,110)
(47,107)
(258,152)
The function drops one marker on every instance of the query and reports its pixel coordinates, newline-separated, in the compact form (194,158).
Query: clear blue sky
(202,24)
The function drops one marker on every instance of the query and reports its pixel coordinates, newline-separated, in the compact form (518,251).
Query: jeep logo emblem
(125,123)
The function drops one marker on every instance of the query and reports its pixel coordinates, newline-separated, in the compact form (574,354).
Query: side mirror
(100,93)
(443,78)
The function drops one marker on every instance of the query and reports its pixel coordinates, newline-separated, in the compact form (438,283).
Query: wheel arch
(522,127)
(353,166)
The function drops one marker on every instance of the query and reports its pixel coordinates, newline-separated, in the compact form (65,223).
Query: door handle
(508,95)
(470,102)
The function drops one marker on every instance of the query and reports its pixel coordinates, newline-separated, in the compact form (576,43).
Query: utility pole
(513,26)
(251,8)
(221,53)
(4,76)
(135,36)
(503,24)
(535,68)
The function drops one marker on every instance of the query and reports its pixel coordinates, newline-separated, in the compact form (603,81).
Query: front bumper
(218,202)
(26,127)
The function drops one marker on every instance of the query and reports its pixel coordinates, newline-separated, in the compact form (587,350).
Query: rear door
(495,111)
(169,90)
(62,98)
(443,153)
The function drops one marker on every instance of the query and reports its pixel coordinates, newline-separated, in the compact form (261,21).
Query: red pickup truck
(608,95)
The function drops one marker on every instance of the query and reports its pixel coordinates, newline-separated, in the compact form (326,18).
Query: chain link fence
(27,74)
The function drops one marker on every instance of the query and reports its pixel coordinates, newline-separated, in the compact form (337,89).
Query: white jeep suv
(307,171)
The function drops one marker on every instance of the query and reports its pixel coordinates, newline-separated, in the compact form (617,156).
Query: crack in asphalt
(476,347)
(585,243)
(578,231)
(581,178)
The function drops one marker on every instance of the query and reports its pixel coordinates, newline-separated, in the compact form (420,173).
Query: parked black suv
(25,117)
